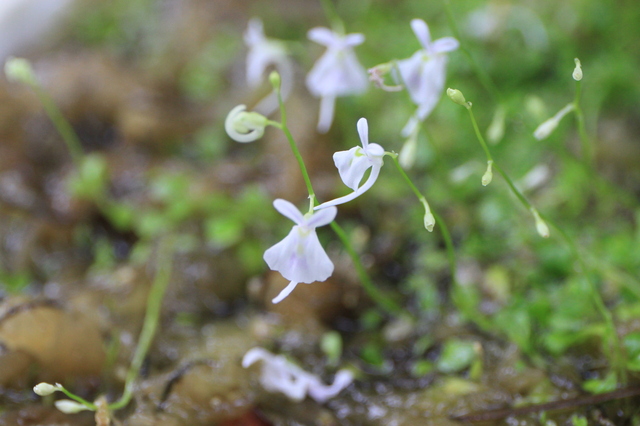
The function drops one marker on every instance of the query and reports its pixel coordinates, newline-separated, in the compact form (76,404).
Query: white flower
(353,164)
(263,53)
(242,126)
(424,73)
(336,73)
(280,375)
(299,257)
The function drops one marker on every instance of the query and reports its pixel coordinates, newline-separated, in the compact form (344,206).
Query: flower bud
(429,219)
(577,71)
(242,126)
(274,79)
(541,225)
(488,175)
(68,406)
(548,126)
(19,69)
(44,389)
(456,96)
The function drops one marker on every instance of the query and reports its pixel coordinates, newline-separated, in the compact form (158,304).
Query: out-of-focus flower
(243,126)
(353,164)
(548,126)
(280,375)
(336,73)
(300,257)
(263,53)
(423,73)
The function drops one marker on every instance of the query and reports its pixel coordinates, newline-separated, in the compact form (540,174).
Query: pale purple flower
(280,375)
(423,73)
(299,257)
(264,53)
(353,164)
(336,73)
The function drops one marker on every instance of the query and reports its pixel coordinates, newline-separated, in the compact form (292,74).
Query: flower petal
(354,39)
(351,166)
(289,210)
(375,171)
(284,293)
(444,44)
(322,35)
(327,105)
(421,30)
(322,217)
(255,354)
(321,392)
(300,257)
(363,131)
(254,33)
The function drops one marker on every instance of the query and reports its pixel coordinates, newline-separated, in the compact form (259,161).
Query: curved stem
(376,295)
(294,147)
(62,125)
(76,398)
(164,264)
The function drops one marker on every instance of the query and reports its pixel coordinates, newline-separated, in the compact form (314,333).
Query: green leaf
(456,356)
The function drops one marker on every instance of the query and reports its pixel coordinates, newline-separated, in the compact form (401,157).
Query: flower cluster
(300,257)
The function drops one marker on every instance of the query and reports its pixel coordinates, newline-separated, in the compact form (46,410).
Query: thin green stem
(376,295)
(587,146)
(76,398)
(484,78)
(595,294)
(161,281)
(332,15)
(294,148)
(406,178)
(62,125)
(617,356)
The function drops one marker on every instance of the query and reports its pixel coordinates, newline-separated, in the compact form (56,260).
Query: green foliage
(456,355)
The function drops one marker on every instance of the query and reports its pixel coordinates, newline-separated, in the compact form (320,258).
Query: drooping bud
(488,175)
(19,69)
(429,219)
(242,126)
(577,71)
(68,406)
(456,96)
(44,389)
(541,225)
